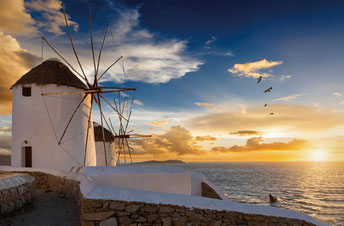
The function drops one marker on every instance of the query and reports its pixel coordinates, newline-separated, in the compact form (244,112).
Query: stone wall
(96,212)
(109,212)
(45,181)
(209,192)
(15,198)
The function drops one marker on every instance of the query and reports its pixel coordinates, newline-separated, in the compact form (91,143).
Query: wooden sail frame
(94,90)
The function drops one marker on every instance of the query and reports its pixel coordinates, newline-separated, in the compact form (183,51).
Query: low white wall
(91,190)
(148,178)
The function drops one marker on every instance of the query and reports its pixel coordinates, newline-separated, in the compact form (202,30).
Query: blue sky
(193,60)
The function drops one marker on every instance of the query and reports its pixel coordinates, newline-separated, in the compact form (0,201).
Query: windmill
(95,91)
(122,136)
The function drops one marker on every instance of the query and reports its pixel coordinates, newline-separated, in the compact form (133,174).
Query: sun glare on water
(319,155)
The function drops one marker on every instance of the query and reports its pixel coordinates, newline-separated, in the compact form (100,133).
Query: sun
(318,155)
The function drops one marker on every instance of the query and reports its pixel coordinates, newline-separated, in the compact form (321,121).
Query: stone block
(152,217)
(166,209)
(141,219)
(117,206)
(112,221)
(98,216)
(122,213)
(125,220)
(150,209)
(132,208)
(166,221)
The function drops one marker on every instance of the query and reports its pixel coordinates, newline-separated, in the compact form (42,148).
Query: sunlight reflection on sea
(315,188)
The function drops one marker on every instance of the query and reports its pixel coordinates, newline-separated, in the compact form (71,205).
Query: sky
(195,65)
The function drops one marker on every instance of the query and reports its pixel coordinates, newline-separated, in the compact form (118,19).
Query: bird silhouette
(260,79)
(265,105)
(268,90)
(271,113)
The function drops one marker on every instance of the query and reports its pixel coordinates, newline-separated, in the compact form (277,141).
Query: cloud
(211,40)
(244,133)
(283,77)
(52,16)
(252,69)
(5,129)
(288,98)
(337,94)
(256,144)
(205,105)
(15,20)
(177,140)
(137,102)
(148,56)
(229,53)
(14,62)
(159,124)
(243,108)
(342,102)
(5,141)
(205,138)
(291,117)
(315,105)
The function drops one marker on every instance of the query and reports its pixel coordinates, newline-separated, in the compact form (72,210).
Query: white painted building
(110,146)
(38,121)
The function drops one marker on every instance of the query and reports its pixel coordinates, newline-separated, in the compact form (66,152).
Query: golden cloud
(252,69)
(159,124)
(292,117)
(14,62)
(244,133)
(288,98)
(177,140)
(256,144)
(51,10)
(205,105)
(205,138)
(14,19)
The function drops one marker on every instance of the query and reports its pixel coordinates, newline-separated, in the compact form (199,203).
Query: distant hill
(161,162)
(5,160)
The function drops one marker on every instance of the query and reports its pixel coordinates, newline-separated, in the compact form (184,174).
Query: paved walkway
(48,210)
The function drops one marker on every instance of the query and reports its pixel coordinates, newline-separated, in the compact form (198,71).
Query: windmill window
(26,91)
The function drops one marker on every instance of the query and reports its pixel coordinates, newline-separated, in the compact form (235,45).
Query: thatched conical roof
(51,72)
(98,134)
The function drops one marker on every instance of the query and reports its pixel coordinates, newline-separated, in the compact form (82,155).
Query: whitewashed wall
(148,178)
(110,153)
(31,123)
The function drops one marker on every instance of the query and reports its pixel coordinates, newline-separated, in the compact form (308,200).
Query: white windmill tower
(52,114)
(39,135)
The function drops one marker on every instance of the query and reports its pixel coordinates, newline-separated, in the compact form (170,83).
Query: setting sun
(318,155)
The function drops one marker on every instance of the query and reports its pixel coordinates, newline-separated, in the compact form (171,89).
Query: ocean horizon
(314,188)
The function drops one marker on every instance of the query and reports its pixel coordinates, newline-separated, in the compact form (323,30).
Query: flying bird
(268,90)
(271,113)
(265,105)
(260,79)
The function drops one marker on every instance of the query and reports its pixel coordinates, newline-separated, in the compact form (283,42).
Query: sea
(314,188)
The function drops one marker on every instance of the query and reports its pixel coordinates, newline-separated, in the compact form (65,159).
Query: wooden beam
(71,118)
(112,106)
(88,127)
(63,58)
(71,40)
(101,120)
(109,68)
(101,48)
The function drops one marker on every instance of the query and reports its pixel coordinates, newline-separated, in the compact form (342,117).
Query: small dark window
(26,91)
